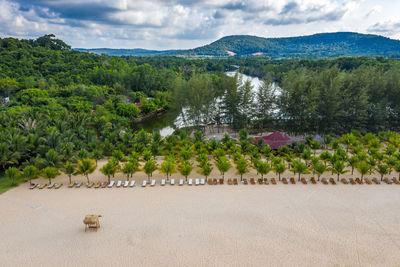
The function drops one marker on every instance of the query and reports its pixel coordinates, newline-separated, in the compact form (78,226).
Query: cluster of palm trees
(367,154)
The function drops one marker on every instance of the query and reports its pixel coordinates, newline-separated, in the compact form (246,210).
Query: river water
(167,123)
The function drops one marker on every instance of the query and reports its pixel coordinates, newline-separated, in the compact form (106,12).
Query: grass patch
(5,184)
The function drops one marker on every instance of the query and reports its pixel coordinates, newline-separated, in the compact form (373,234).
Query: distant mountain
(323,45)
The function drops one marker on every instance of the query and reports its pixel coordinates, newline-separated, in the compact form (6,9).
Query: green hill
(323,45)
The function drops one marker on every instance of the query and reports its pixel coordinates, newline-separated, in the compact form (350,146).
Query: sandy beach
(223,225)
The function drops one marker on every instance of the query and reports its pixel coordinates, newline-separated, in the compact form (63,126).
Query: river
(167,123)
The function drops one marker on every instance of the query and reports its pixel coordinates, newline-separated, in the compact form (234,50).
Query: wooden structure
(92,222)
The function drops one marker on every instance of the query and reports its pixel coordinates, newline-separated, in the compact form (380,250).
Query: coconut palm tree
(397,168)
(109,169)
(69,169)
(50,173)
(352,162)
(382,169)
(97,155)
(131,167)
(223,165)
(168,166)
(263,168)
(279,169)
(85,167)
(299,167)
(30,172)
(186,168)
(338,168)
(206,168)
(12,173)
(319,169)
(242,167)
(149,167)
(363,168)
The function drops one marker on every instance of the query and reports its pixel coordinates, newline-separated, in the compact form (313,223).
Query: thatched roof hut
(275,140)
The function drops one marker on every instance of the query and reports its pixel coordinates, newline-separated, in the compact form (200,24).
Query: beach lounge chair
(210,181)
(162,182)
(215,181)
(273,181)
(172,182)
(111,184)
(221,181)
(180,182)
(367,181)
(235,181)
(252,181)
(90,185)
(352,181)
(344,181)
(245,181)
(260,181)
(376,181)
(292,180)
(386,180)
(42,186)
(144,183)
(324,181)
(284,180)
(358,181)
(104,184)
(395,180)
(197,181)
(97,185)
(202,181)
(57,186)
(153,182)
(119,183)
(303,180)
(33,186)
(126,184)
(132,183)
(266,181)
(230,181)
(313,181)
(71,185)
(50,186)
(332,181)
(190,181)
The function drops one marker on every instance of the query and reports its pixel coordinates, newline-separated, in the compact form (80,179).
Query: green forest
(60,105)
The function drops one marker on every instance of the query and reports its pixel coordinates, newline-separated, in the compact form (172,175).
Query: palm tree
(319,169)
(223,165)
(109,169)
(242,167)
(130,168)
(149,167)
(168,166)
(7,156)
(338,168)
(263,168)
(382,169)
(118,155)
(147,155)
(397,168)
(50,173)
(279,169)
(363,168)
(97,155)
(31,172)
(299,167)
(69,169)
(186,168)
(206,168)
(353,161)
(12,173)
(86,167)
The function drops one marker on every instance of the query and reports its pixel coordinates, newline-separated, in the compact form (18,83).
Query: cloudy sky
(162,24)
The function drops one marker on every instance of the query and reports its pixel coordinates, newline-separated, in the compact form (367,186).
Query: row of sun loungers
(215,181)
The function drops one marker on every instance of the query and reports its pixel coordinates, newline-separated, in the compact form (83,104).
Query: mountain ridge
(320,45)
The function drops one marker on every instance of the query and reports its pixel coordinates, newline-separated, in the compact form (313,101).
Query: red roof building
(275,140)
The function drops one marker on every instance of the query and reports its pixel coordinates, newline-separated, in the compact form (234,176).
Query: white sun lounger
(172,181)
(202,181)
(144,183)
(162,182)
(197,181)
(190,182)
(50,186)
(126,183)
(132,184)
(111,184)
(34,186)
(153,182)
(181,182)
(77,185)
(119,183)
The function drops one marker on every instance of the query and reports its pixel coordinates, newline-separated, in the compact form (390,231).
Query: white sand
(219,225)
